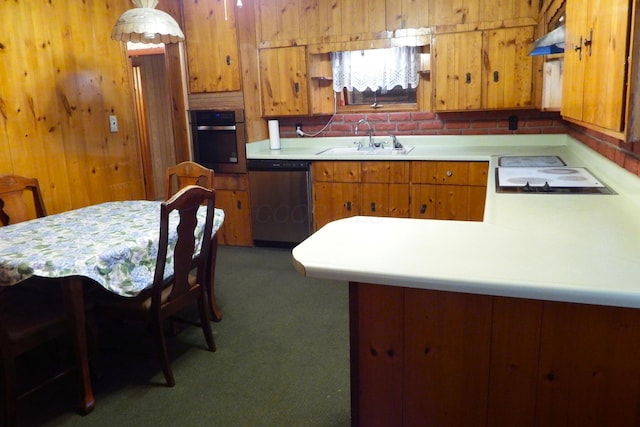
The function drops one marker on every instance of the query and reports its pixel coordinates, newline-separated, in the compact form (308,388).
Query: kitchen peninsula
(529,317)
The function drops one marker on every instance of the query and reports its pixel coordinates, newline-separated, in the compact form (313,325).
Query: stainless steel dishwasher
(280,201)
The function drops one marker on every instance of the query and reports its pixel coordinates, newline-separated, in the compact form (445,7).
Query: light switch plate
(113,123)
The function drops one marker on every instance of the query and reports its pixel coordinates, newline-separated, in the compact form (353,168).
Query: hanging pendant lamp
(145,24)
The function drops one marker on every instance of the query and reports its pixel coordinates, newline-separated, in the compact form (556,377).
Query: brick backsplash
(627,155)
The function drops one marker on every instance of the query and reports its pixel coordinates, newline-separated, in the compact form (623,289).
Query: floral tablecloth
(113,243)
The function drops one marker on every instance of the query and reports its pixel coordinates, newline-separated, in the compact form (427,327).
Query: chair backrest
(187,173)
(186,203)
(15,206)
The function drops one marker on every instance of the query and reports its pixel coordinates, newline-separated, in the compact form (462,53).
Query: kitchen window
(376,77)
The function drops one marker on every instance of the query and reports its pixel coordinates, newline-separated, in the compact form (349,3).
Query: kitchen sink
(366,151)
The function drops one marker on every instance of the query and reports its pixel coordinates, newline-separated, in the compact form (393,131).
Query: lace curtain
(375,69)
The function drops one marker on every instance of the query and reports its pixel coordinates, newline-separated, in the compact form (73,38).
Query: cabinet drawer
(385,172)
(335,171)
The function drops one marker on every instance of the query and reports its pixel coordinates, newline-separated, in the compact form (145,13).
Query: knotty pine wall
(61,76)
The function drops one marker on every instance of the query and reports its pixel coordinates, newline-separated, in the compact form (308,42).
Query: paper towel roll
(274,135)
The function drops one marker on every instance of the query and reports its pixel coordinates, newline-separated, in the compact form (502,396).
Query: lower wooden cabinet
(401,189)
(423,357)
(232,196)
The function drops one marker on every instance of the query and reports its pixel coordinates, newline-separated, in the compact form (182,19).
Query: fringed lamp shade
(144,24)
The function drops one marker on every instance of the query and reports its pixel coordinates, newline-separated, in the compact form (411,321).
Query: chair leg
(161,348)
(204,322)
(9,393)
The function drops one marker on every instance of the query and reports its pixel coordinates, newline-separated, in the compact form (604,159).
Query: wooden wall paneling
(498,10)
(111,93)
(406,14)
(375,314)
(589,373)
(66,77)
(175,64)
(454,11)
(362,16)
(322,18)
(515,343)
(446,358)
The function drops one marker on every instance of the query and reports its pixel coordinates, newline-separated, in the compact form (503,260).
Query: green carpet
(282,359)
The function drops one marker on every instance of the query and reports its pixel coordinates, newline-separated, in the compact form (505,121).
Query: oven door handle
(216,127)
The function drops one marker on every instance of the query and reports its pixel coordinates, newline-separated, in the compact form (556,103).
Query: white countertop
(581,248)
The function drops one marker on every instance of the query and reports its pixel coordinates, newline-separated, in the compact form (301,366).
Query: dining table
(113,244)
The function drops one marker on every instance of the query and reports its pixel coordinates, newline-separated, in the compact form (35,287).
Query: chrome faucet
(370,130)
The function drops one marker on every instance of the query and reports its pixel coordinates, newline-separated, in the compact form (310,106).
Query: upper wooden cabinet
(483,69)
(283,80)
(595,62)
(212,47)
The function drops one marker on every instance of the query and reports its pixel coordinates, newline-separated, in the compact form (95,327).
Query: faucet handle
(396,143)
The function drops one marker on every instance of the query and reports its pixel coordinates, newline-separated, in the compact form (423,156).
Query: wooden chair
(191,173)
(14,206)
(28,321)
(166,298)
(187,173)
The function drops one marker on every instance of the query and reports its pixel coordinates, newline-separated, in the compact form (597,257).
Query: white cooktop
(561,176)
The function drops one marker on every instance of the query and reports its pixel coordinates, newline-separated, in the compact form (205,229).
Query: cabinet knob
(496,76)
(423,208)
(468,79)
(449,173)
(239,204)
(373,206)
(228,60)
(349,206)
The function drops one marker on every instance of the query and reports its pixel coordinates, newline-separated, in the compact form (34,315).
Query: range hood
(552,42)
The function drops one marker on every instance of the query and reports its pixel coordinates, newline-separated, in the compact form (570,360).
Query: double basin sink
(366,151)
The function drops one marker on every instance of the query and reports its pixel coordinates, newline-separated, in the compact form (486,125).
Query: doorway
(154,118)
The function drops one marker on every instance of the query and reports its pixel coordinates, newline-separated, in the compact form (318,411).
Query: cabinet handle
(423,208)
(579,49)
(228,60)
(239,204)
(373,206)
(468,80)
(296,87)
(496,76)
(588,42)
(349,206)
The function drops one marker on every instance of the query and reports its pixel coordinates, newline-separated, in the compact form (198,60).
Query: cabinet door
(211,45)
(385,200)
(283,77)
(457,69)
(452,202)
(423,201)
(596,62)
(236,229)
(509,69)
(334,200)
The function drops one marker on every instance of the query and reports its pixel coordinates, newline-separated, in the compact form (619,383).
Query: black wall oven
(219,140)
